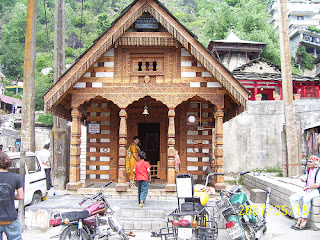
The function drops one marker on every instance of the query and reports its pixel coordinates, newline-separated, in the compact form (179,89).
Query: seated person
(210,169)
(310,191)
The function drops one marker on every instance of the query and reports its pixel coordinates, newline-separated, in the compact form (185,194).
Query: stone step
(152,216)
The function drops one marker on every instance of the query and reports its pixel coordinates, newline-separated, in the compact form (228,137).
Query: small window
(139,66)
(15,166)
(32,164)
(300,18)
(147,66)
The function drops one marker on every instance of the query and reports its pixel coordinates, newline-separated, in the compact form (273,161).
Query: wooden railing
(155,170)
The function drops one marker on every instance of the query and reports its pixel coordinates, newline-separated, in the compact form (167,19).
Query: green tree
(249,19)
(42,85)
(304,59)
(46,119)
(103,22)
(12,58)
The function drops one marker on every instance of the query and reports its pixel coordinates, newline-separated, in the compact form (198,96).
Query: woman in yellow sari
(132,158)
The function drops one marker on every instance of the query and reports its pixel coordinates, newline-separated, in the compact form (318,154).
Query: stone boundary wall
(280,195)
(253,139)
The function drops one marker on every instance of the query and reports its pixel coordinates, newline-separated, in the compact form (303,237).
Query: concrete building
(300,13)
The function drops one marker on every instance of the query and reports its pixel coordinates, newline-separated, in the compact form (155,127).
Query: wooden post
(74,178)
(291,126)
(60,129)
(171,186)
(218,151)
(28,103)
(122,185)
(28,142)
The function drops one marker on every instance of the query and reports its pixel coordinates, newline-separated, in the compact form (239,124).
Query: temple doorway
(149,134)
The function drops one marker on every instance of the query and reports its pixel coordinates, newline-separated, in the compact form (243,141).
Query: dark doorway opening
(149,134)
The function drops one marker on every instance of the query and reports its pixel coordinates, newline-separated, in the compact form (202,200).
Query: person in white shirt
(44,157)
(310,191)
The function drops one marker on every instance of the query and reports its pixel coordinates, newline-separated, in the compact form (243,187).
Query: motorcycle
(243,222)
(97,221)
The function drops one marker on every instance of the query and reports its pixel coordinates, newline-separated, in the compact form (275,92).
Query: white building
(300,13)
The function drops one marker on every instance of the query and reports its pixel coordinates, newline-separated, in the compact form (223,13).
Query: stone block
(126,213)
(137,225)
(140,213)
(316,201)
(156,213)
(128,225)
(258,195)
(315,226)
(146,225)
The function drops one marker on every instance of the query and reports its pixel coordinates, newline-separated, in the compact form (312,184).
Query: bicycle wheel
(73,233)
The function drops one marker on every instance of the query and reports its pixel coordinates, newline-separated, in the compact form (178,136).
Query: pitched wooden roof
(120,26)
(270,72)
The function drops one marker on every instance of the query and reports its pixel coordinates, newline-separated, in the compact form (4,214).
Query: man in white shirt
(310,191)
(44,157)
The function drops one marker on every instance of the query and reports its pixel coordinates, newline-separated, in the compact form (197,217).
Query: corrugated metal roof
(10,100)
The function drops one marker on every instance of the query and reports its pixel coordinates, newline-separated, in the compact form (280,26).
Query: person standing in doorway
(132,158)
(142,173)
(9,183)
(44,157)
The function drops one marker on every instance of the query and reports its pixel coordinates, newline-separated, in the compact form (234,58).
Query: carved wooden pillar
(219,152)
(171,186)
(122,185)
(74,177)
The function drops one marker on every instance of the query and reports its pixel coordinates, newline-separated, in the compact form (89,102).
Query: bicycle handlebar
(243,173)
(97,194)
(214,174)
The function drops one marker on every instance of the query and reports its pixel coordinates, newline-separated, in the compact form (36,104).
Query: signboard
(308,38)
(146,23)
(93,127)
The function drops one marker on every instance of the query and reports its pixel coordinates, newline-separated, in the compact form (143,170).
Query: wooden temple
(146,60)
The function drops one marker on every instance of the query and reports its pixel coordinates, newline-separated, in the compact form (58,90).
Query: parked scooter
(243,220)
(97,221)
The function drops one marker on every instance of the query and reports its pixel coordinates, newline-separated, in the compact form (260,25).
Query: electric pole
(61,143)
(293,161)
(28,99)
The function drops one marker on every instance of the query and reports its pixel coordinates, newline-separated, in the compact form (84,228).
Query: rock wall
(253,139)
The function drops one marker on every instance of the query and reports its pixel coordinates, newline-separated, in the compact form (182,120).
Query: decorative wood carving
(74,177)
(122,185)
(219,147)
(125,95)
(171,151)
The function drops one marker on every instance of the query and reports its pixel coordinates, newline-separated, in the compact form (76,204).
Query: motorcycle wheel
(247,235)
(123,235)
(265,229)
(73,233)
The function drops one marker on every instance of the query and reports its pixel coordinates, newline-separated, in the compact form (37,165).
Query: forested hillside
(87,19)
